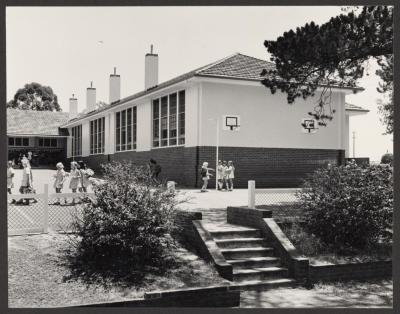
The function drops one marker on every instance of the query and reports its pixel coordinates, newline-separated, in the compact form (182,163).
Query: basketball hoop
(231,122)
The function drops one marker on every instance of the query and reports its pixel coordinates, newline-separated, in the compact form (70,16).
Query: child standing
(10,176)
(60,177)
(220,175)
(230,175)
(86,173)
(75,175)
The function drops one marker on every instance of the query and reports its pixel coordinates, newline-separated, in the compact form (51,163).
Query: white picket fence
(38,217)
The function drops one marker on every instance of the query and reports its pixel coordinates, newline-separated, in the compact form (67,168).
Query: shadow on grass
(118,271)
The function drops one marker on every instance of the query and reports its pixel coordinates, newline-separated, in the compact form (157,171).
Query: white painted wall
(346,136)
(85,138)
(144,126)
(192,114)
(266,120)
(69,144)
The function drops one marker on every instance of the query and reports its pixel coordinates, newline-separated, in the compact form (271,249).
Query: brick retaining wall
(270,167)
(221,296)
(377,269)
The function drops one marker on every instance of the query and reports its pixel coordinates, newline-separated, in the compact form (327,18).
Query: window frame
(179,139)
(97,136)
(122,129)
(76,143)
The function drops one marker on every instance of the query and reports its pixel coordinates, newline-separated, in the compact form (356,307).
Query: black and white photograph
(200,156)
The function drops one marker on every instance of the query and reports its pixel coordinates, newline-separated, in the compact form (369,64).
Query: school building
(37,133)
(180,122)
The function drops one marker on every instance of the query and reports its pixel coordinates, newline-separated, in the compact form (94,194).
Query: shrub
(387,158)
(349,206)
(130,220)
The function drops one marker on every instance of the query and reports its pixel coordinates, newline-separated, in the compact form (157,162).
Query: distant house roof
(237,66)
(351,107)
(35,123)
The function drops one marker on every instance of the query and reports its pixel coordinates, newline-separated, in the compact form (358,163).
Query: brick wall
(376,269)
(221,296)
(270,167)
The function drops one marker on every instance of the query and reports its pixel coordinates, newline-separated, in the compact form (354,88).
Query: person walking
(230,175)
(75,175)
(10,176)
(59,177)
(86,173)
(205,175)
(155,169)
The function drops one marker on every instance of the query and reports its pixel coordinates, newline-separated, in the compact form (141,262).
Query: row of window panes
(18,141)
(76,140)
(97,136)
(125,129)
(48,142)
(169,120)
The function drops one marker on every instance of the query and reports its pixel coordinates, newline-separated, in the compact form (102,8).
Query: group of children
(79,179)
(225,175)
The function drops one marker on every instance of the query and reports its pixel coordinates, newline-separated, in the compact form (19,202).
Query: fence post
(251,193)
(45,209)
(171,186)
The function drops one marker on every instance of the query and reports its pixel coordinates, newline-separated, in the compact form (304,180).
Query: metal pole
(216,160)
(354,144)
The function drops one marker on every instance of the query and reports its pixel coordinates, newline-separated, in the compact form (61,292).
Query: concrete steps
(253,259)
(264,284)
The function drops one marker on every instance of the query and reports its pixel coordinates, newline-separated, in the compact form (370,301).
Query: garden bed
(320,254)
(40,276)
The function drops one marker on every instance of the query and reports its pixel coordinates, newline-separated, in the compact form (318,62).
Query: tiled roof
(237,66)
(22,122)
(352,107)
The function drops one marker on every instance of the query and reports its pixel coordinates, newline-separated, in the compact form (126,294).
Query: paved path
(350,294)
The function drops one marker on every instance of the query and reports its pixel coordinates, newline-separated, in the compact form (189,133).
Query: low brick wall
(186,231)
(378,269)
(220,296)
(245,216)
(208,249)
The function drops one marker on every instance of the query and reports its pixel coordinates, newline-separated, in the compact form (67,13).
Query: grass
(40,276)
(319,253)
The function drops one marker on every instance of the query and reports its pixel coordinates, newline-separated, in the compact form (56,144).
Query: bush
(387,159)
(130,220)
(349,206)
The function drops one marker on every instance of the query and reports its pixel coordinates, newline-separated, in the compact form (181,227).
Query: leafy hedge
(349,206)
(129,221)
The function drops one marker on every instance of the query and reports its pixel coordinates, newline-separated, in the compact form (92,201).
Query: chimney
(90,98)
(150,69)
(73,107)
(115,86)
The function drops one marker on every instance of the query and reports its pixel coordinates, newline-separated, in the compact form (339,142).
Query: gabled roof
(351,107)
(31,122)
(237,66)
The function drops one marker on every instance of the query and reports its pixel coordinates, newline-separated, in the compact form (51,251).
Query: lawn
(39,276)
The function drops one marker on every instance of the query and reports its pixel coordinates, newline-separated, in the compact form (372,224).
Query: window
(97,128)
(48,142)
(125,129)
(169,120)
(76,141)
(18,141)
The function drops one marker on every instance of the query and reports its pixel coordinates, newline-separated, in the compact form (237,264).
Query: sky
(68,47)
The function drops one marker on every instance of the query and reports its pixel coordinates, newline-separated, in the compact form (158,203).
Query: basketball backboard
(231,122)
